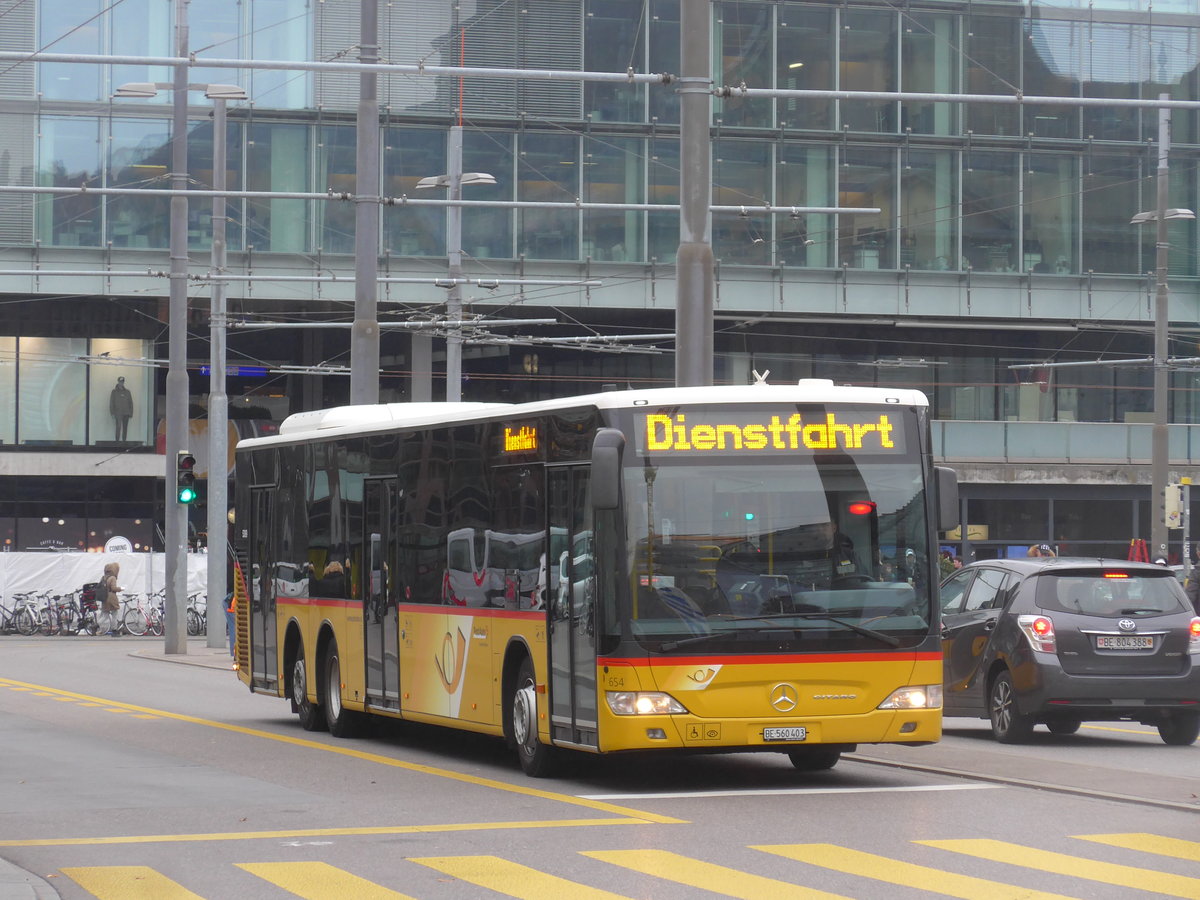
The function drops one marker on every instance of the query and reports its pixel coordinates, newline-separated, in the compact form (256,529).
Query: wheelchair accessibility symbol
(707,732)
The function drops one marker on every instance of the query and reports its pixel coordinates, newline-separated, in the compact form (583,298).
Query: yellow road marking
(1148,843)
(708,876)
(894,871)
(449,774)
(513,879)
(316,832)
(1074,866)
(1122,730)
(128,883)
(320,881)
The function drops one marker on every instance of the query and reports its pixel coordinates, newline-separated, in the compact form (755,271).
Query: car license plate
(1124,642)
(798,733)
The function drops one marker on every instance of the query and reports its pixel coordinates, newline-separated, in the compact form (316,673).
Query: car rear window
(1110,593)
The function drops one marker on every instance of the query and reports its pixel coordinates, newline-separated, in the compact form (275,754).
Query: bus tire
(342,723)
(537,759)
(814,759)
(309,713)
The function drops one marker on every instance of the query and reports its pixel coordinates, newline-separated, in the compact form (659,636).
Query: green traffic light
(187,494)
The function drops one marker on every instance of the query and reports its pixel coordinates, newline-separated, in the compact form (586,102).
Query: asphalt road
(126,774)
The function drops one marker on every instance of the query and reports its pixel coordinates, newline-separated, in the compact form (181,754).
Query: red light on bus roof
(1116,574)
(861,508)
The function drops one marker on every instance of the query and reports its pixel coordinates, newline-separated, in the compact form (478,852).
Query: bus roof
(346,421)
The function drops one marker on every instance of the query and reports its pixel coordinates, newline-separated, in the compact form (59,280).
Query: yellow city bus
(710,569)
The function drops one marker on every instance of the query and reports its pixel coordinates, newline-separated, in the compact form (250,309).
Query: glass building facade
(1003,234)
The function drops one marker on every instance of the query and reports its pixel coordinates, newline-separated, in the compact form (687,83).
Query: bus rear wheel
(342,723)
(308,712)
(537,759)
(814,759)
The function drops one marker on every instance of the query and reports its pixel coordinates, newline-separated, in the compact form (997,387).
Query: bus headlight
(917,696)
(643,703)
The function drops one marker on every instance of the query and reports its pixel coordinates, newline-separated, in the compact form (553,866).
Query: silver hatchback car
(1063,641)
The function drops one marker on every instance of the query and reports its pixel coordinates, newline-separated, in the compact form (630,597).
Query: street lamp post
(454,180)
(1159,450)
(218,413)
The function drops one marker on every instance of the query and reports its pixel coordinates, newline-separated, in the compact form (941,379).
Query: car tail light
(1194,636)
(1040,632)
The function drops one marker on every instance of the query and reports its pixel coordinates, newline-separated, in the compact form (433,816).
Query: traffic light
(185,477)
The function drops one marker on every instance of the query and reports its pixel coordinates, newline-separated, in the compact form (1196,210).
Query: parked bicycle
(197,614)
(21,617)
(71,613)
(41,613)
(144,614)
(25,617)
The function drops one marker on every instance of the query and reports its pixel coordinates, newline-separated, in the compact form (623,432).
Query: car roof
(1032,564)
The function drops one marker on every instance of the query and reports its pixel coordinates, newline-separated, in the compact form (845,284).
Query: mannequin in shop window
(120,405)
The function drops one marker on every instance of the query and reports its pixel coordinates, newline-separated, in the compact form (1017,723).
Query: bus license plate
(1124,642)
(798,733)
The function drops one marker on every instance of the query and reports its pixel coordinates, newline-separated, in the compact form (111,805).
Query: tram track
(1074,790)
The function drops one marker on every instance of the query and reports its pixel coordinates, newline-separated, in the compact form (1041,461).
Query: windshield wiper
(888,639)
(701,638)
(825,617)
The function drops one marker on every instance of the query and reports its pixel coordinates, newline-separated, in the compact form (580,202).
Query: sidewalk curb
(205,657)
(17,884)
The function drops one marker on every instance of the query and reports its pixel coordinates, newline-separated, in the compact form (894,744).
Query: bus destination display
(697,432)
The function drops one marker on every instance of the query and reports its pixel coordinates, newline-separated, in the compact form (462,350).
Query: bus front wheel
(537,759)
(814,759)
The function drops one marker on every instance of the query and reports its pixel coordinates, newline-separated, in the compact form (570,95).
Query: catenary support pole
(454,259)
(218,406)
(364,336)
(1159,447)
(175,514)
(694,281)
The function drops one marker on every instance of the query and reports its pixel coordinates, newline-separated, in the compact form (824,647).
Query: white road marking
(785,792)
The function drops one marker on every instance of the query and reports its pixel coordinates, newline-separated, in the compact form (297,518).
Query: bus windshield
(795,554)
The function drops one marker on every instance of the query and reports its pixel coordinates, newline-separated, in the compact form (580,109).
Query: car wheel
(342,723)
(1063,726)
(1180,729)
(814,759)
(537,759)
(1009,726)
(309,713)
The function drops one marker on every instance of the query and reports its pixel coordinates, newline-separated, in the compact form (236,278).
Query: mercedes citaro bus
(712,568)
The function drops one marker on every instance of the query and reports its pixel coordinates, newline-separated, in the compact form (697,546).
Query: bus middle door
(379,594)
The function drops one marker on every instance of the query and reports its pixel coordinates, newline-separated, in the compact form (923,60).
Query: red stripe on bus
(488,612)
(767,660)
(332,602)
(484,612)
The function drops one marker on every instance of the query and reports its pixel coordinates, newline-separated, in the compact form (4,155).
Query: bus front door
(260,584)
(572,609)
(379,594)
